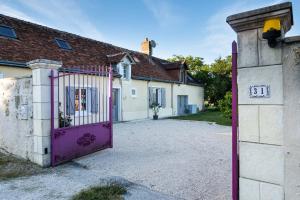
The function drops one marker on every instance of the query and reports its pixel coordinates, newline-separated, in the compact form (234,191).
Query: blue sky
(185,27)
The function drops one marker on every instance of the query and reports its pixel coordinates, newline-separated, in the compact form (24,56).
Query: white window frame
(125,71)
(81,112)
(158,95)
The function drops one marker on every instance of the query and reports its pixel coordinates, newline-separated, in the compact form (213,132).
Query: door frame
(179,97)
(119,102)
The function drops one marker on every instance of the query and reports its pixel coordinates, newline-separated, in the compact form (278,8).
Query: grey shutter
(94,100)
(70,100)
(88,99)
(163,97)
(150,97)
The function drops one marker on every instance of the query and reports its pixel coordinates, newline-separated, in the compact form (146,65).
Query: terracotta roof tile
(38,42)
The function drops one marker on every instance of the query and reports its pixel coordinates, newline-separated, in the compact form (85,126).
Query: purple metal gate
(84,105)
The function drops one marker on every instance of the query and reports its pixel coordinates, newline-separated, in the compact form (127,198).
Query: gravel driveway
(165,159)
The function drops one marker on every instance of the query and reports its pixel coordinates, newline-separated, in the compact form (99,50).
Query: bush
(225,104)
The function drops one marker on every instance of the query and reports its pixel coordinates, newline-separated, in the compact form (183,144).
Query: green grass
(109,192)
(210,115)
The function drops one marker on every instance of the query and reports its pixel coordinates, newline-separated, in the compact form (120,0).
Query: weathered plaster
(16,130)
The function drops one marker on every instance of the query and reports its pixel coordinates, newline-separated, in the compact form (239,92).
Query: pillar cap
(255,18)
(44,64)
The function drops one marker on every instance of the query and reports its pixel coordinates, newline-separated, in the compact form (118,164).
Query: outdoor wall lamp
(272,31)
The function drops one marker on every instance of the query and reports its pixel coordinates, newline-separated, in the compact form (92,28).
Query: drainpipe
(235,165)
(148,99)
(121,97)
(172,102)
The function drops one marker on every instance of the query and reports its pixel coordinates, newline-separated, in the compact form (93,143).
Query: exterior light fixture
(272,31)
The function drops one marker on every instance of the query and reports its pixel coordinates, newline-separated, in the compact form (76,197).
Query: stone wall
(260,119)
(269,141)
(16,124)
(291,117)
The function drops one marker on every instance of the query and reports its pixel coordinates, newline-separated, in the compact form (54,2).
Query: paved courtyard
(164,159)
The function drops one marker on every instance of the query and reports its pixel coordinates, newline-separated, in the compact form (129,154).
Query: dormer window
(63,44)
(125,70)
(7,31)
(183,75)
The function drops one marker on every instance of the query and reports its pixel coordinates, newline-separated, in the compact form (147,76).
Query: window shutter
(163,97)
(150,96)
(159,96)
(89,99)
(70,100)
(94,100)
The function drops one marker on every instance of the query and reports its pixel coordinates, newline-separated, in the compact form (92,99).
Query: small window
(115,68)
(63,44)
(157,96)
(133,92)
(7,31)
(125,71)
(1,75)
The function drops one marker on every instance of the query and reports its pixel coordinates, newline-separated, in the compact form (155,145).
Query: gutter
(154,79)
(13,64)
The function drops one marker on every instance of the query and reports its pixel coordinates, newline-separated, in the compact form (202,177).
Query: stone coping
(255,18)
(292,39)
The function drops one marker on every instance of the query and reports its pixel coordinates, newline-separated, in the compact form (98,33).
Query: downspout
(148,99)
(235,162)
(121,95)
(172,102)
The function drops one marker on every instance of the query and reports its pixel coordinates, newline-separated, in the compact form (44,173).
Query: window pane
(83,99)
(125,72)
(7,32)
(77,100)
(63,44)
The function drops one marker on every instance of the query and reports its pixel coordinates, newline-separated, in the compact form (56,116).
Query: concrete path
(164,159)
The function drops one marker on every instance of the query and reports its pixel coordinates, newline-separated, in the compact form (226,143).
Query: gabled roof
(38,42)
(116,58)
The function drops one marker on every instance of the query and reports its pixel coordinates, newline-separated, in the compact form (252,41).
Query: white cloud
(164,12)
(10,11)
(218,35)
(64,15)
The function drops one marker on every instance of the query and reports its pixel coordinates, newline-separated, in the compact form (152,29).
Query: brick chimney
(146,47)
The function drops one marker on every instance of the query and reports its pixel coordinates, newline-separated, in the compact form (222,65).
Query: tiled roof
(38,42)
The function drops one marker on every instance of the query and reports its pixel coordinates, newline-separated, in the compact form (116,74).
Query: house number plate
(259,91)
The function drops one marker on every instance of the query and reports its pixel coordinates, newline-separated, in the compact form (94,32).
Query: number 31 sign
(259,91)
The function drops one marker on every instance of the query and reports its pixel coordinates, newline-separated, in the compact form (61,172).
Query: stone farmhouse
(140,79)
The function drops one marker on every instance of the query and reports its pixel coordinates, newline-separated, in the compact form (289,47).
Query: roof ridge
(77,35)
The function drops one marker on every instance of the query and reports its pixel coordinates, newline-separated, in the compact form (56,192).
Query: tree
(216,77)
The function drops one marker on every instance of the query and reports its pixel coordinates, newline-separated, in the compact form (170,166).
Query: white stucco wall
(195,95)
(16,127)
(137,107)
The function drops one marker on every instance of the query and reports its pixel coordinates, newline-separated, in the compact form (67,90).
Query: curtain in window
(92,100)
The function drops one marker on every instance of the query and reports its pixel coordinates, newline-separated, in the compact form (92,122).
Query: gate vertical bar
(52,114)
(235,167)
(110,105)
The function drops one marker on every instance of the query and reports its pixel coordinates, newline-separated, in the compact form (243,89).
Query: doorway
(116,104)
(182,102)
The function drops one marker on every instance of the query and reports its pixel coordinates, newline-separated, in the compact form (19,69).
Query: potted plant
(64,121)
(155,107)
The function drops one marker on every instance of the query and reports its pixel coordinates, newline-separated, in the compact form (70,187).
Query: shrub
(225,104)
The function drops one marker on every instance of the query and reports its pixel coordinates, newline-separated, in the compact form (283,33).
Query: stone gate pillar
(41,70)
(260,104)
